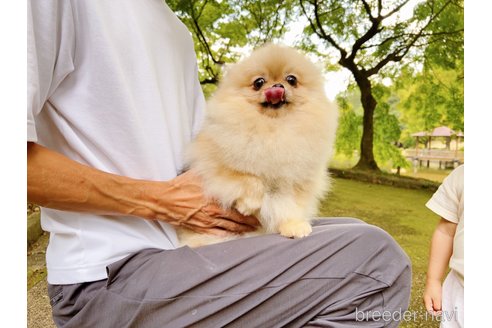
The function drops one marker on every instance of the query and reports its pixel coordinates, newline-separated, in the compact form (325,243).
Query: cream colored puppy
(266,141)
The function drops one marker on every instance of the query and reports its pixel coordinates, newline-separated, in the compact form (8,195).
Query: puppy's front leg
(234,189)
(282,214)
(251,199)
(295,228)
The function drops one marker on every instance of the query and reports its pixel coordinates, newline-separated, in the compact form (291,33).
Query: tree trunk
(366,161)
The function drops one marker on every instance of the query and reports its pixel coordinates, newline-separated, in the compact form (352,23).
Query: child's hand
(433,297)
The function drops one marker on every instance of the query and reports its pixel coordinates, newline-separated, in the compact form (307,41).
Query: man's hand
(183,200)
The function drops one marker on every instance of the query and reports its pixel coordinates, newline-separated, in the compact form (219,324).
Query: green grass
(427,173)
(402,213)
(433,173)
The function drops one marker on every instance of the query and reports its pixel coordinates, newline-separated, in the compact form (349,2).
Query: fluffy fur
(267,159)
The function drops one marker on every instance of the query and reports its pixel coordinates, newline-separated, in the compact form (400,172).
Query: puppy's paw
(248,205)
(295,228)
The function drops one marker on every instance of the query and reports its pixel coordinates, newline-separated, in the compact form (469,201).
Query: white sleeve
(445,201)
(198,106)
(50,52)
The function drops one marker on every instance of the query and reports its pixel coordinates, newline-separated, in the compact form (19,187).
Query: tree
(369,36)
(349,129)
(430,98)
(387,126)
(222,29)
(434,95)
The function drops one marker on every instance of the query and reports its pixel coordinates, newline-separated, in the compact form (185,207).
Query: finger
(437,304)
(204,222)
(200,220)
(431,307)
(238,217)
(215,210)
(234,227)
(428,304)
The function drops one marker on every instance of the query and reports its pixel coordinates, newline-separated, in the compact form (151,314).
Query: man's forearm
(58,182)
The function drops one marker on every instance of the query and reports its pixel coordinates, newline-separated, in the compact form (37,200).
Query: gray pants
(345,274)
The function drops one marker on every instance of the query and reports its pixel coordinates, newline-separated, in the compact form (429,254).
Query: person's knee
(354,220)
(388,250)
(374,235)
(337,220)
(365,243)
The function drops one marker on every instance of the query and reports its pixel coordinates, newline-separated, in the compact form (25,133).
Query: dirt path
(38,303)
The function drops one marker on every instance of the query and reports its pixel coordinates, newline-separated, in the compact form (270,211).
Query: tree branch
(321,33)
(212,80)
(201,36)
(368,9)
(400,52)
(396,9)
(395,37)
(370,33)
(201,9)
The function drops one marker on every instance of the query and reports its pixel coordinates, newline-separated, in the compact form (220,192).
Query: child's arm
(440,253)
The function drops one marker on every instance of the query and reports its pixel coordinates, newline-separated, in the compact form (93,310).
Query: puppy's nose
(275,94)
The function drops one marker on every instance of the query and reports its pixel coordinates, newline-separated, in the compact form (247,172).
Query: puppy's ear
(238,74)
(226,68)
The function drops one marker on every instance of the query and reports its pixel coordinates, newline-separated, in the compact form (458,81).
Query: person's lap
(266,281)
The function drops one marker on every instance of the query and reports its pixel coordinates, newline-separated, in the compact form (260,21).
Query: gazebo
(447,155)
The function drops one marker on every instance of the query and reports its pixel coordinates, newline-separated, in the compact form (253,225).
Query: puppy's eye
(258,83)
(292,80)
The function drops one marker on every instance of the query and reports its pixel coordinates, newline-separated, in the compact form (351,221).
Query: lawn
(432,173)
(427,173)
(402,213)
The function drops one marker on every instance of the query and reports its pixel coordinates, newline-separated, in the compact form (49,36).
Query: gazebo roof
(442,131)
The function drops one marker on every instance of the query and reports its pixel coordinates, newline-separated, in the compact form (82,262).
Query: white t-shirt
(113,85)
(449,202)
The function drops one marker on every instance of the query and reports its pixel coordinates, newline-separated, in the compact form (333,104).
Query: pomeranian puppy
(266,141)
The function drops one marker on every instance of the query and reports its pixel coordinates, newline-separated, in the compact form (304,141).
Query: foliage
(387,129)
(370,37)
(349,123)
(431,98)
(422,53)
(445,46)
(434,95)
(221,30)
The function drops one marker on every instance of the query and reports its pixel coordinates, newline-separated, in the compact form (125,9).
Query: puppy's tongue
(274,95)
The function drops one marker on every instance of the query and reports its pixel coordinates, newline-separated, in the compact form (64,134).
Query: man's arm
(58,182)
(440,253)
